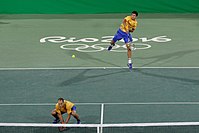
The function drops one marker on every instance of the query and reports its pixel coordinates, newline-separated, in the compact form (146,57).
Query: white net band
(100,125)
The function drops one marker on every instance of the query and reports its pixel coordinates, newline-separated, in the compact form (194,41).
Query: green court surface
(36,69)
(172,38)
(114,88)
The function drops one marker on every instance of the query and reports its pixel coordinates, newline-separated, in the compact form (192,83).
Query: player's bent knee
(53,112)
(73,112)
(128,48)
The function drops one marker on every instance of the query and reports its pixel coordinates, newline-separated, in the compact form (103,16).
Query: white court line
(133,103)
(62,68)
(80,68)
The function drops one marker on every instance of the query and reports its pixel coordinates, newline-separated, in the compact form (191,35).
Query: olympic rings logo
(80,46)
(100,47)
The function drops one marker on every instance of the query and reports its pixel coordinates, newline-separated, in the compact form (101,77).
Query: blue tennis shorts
(73,108)
(122,35)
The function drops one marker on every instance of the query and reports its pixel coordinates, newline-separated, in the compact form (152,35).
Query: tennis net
(172,127)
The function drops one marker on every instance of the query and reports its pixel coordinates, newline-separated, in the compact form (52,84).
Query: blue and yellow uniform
(123,31)
(130,24)
(66,108)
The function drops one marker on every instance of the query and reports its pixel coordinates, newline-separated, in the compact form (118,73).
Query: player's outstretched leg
(77,118)
(75,115)
(111,46)
(129,53)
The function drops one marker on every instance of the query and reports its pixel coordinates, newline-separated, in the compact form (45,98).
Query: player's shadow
(4,23)
(182,80)
(168,57)
(82,76)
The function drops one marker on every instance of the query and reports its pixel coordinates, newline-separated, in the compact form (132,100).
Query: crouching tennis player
(62,107)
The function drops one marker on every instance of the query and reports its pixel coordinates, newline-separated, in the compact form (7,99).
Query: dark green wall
(97,6)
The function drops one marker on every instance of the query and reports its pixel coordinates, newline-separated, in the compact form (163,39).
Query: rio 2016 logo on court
(97,45)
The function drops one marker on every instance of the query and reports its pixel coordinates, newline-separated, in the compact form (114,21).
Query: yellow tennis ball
(73,56)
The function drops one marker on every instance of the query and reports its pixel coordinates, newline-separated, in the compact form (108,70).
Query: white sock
(129,60)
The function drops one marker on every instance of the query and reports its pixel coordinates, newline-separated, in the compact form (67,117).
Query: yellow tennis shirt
(66,108)
(129,24)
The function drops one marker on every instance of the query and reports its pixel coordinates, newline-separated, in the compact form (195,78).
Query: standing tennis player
(62,107)
(128,25)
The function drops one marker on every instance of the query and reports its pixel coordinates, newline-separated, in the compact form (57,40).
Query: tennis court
(146,95)
(36,68)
